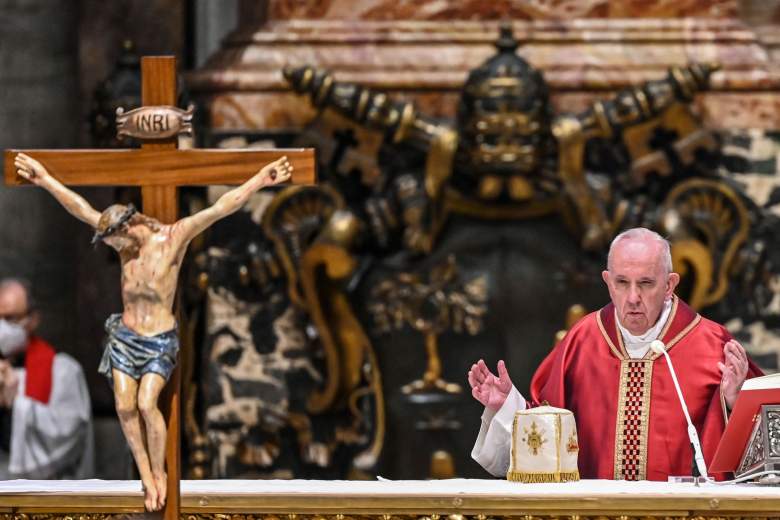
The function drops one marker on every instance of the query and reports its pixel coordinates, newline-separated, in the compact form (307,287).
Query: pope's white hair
(644,234)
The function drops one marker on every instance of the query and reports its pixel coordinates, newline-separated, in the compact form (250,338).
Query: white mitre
(544,446)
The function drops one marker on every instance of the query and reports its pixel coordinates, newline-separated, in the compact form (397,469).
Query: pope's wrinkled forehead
(637,253)
(640,245)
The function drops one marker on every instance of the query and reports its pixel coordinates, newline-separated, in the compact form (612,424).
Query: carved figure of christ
(151,254)
(158,168)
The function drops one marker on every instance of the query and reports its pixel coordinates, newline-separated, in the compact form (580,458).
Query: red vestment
(629,421)
(38,364)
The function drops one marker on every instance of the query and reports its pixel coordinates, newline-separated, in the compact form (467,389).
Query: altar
(458,499)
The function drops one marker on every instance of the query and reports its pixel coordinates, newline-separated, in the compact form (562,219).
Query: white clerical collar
(637,346)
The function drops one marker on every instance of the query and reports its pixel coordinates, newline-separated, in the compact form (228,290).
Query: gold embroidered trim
(512,450)
(644,416)
(619,420)
(524,476)
(649,354)
(648,383)
(621,343)
(607,338)
(679,336)
(573,445)
(620,350)
(670,319)
(672,313)
(684,332)
(558,428)
(537,478)
(533,439)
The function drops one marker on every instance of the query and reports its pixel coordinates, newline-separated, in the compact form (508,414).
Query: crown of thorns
(116,226)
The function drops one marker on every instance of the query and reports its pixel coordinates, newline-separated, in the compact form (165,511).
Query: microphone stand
(694,466)
(699,468)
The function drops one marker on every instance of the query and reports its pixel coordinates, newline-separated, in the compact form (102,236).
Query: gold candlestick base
(431,379)
(423,385)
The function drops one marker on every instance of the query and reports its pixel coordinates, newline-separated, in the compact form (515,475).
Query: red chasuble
(629,421)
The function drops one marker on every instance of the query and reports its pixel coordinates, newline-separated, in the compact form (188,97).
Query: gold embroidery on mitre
(573,446)
(535,478)
(533,439)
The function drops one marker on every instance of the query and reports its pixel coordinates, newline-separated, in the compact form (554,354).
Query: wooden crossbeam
(156,167)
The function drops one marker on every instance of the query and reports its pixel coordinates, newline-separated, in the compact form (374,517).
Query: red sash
(39,359)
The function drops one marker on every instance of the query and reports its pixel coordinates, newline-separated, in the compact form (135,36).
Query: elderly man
(45,417)
(629,420)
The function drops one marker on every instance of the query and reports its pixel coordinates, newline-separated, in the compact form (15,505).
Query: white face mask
(13,337)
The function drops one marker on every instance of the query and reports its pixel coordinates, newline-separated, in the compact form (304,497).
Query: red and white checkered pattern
(632,421)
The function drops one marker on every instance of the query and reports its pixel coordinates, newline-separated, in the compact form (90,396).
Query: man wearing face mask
(45,416)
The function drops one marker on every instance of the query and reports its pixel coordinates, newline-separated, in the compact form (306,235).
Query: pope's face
(638,283)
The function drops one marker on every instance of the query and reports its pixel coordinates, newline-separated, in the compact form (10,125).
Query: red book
(754,393)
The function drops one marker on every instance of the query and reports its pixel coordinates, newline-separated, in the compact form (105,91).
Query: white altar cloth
(380,500)
(405,488)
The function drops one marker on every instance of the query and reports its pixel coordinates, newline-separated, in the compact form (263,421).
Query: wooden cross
(159,168)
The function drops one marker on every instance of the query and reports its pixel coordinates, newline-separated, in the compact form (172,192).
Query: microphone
(658,347)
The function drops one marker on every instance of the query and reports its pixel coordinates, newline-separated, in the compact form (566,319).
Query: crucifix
(142,346)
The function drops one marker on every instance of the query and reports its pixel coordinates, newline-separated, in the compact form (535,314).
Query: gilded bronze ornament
(508,156)
(708,222)
(312,234)
(430,306)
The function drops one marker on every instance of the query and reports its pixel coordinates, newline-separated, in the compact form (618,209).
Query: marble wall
(423,50)
(512,9)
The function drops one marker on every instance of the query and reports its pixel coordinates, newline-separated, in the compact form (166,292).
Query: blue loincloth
(136,355)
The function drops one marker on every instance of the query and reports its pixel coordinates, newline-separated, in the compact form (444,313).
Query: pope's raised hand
(733,370)
(487,388)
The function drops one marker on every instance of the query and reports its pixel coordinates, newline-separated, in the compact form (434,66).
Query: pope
(629,420)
